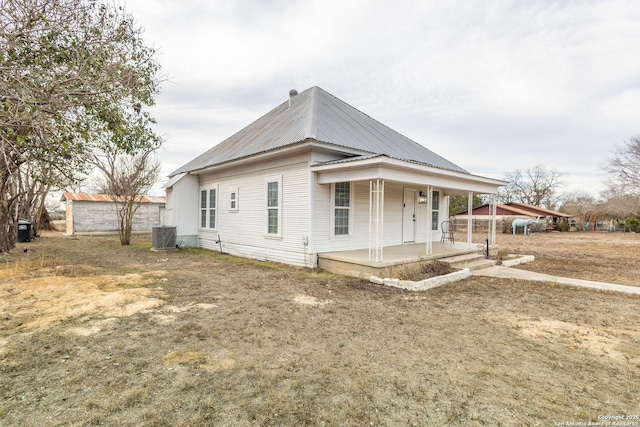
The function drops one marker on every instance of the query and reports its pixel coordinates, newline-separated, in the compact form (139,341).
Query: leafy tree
(537,186)
(461,203)
(70,71)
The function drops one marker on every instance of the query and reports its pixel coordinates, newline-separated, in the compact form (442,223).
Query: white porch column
(469,219)
(376,219)
(429,248)
(494,210)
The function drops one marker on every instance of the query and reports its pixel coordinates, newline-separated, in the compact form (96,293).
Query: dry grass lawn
(93,333)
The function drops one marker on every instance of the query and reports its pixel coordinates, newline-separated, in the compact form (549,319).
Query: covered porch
(403,210)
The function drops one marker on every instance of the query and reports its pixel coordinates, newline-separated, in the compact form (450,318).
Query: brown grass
(195,339)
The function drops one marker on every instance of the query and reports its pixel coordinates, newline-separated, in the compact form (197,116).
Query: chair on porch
(447,232)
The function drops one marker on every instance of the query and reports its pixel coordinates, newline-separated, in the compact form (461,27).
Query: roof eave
(403,164)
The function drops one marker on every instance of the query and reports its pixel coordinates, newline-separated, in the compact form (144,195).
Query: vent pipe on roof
(292,94)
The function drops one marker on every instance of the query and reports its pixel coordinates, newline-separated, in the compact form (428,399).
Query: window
(274,205)
(208,208)
(341,208)
(233,200)
(203,208)
(435,208)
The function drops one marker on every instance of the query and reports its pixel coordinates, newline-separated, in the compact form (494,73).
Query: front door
(409,216)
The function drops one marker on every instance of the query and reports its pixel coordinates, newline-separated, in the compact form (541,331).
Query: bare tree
(618,203)
(68,71)
(624,166)
(537,186)
(584,206)
(127,178)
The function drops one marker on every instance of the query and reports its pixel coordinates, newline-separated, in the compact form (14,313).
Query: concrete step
(480,264)
(457,260)
(472,261)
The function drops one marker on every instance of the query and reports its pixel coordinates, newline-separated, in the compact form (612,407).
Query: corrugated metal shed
(316,114)
(107,198)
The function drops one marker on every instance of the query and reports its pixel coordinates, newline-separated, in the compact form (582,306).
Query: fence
(481,225)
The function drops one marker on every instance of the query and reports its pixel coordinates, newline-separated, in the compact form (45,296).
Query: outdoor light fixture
(422,199)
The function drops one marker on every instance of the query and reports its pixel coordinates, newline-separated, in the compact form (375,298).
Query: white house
(314,176)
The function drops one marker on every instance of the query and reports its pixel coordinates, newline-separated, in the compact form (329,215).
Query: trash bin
(24,231)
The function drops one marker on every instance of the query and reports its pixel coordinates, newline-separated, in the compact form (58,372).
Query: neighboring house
(508,212)
(96,213)
(313,176)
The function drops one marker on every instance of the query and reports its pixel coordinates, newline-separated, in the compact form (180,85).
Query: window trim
(350,208)
(267,208)
(435,200)
(208,209)
(234,192)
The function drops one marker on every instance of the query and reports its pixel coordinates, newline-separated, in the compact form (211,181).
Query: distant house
(311,177)
(96,213)
(508,211)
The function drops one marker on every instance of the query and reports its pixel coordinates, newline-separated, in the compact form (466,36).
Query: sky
(493,85)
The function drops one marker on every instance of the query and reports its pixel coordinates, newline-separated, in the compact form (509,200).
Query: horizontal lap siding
(182,206)
(244,232)
(359,239)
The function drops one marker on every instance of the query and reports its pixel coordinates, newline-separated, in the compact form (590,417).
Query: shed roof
(317,115)
(85,197)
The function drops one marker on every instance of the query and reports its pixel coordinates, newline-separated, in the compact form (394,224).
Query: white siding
(182,210)
(243,231)
(359,238)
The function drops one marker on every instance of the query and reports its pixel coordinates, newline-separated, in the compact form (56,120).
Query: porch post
(494,211)
(429,248)
(376,219)
(469,218)
(381,182)
(370,213)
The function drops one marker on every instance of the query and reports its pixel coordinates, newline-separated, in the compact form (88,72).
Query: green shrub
(632,224)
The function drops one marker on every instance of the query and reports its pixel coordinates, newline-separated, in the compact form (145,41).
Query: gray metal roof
(316,114)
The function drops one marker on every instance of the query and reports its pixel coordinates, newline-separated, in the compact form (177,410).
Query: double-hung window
(208,208)
(274,206)
(341,208)
(435,210)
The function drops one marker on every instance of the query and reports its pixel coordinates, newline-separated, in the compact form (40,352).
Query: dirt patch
(41,301)
(416,273)
(601,341)
(309,300)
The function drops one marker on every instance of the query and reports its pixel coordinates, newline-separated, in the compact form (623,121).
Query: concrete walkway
(514,273)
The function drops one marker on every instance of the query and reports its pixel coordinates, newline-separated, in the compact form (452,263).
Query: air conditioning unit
(163,238)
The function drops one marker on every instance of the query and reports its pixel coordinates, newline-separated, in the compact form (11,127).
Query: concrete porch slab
(356,263)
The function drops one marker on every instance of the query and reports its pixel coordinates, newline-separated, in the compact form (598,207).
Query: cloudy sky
(492,85)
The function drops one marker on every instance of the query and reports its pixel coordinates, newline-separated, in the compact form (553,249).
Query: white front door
(409,216)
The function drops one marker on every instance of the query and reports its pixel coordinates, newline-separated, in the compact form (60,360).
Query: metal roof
(107,198)
(317,115)
(519,209)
